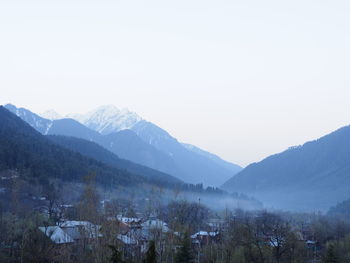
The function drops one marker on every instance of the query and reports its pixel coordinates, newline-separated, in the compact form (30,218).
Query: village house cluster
(133,234)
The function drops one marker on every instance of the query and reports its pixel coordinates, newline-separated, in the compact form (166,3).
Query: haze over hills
(230,166)
(95,151)
(192,166)
(313,176)
(128,145)
(125,144)
(36,157)
(40,159)
(127,135)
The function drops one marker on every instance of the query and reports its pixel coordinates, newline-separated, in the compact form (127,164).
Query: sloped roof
(156,224)
(73,223)
(204,233)
(126,220)
(127,239)
(56,234)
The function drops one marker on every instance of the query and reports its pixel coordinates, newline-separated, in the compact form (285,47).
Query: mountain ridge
(314,175)
(151,145)
(35,156)
(99,153)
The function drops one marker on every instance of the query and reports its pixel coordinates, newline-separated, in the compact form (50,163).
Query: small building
(71,231)
(131,222)
(81,229)
(57,235)
(205,237)
(155,224)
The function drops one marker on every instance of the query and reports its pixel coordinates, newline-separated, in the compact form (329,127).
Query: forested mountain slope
(313,176)
(128,136)
(124,143)
(95,151)
(35,156)
(40,159)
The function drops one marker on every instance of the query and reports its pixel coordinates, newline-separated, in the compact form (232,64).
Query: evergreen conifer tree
(330,255)
(184,255)
(116,256)
(151,254)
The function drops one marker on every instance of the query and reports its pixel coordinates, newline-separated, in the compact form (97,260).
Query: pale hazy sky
(243,79)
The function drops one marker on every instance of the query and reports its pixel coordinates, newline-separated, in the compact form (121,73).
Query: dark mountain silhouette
(125,144)
(40,124)
(37,157)
(144,143)
(313,176)
(40,159)
(70,127)
(95,151)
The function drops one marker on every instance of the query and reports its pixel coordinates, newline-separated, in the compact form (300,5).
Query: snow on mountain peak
(108,118)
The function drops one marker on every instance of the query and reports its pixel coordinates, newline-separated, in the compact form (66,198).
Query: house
(136,240)
(131,222)
(155,224)
(81,229)
(57,235)
(216,223)
(127,239)
(71,231)
(133,242)
(204,237)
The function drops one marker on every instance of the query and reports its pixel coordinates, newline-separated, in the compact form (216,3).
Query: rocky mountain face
(129,136)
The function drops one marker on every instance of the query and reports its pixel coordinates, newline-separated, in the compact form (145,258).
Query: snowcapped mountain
(40,124)
(125,143)
(108,119)
(51,115)
(126,134)
(193,166)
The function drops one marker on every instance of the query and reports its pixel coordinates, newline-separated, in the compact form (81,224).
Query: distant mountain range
(95,151)
(107,119)
(314,176)
(130,137)
(39,158)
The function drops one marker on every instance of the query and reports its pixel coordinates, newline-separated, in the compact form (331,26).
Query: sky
(241,78)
